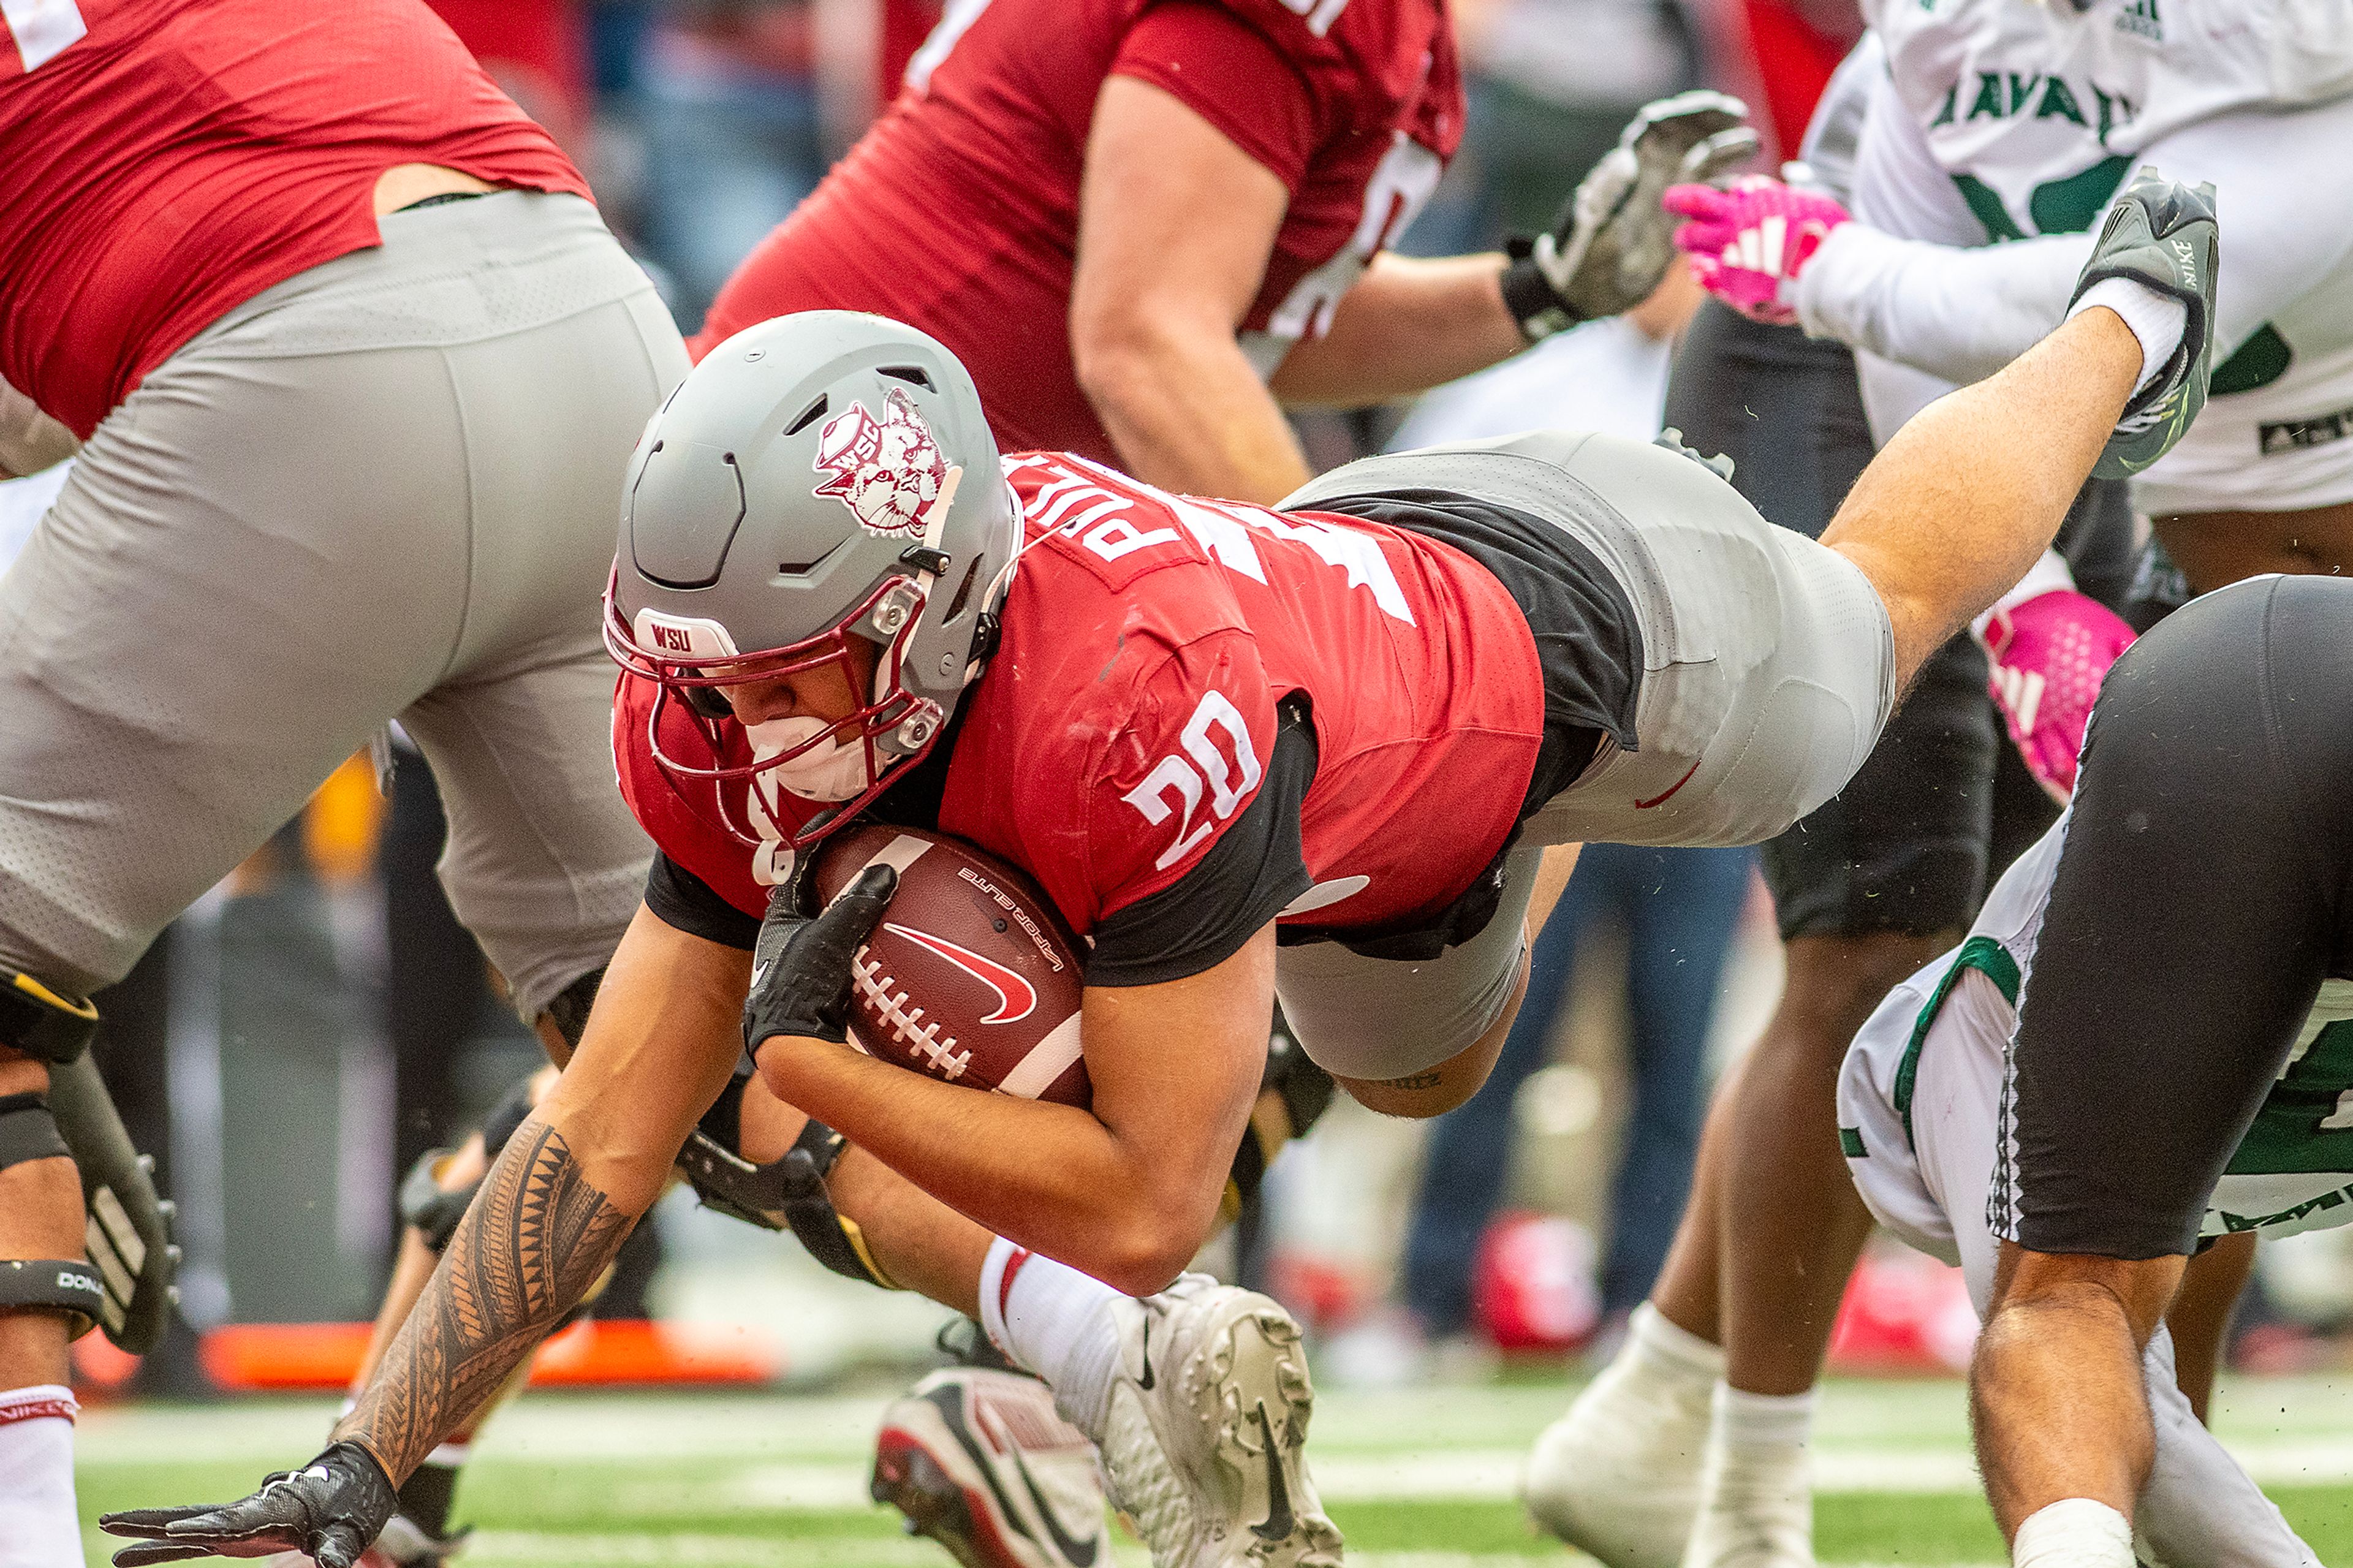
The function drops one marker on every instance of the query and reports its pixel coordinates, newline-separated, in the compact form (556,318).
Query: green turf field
(1422,1480)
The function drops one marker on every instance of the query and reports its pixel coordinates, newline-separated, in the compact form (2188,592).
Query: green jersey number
(2305,1123)
(2070,207)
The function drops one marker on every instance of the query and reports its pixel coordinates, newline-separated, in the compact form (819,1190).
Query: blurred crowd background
(320,1021)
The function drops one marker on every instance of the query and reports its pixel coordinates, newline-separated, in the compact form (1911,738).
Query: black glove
(800,965)
(332,1507)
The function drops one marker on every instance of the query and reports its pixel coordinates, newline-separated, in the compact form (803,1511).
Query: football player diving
(1338,752)
(1176,240)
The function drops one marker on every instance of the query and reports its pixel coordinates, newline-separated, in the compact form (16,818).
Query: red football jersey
(1129,712)
(161,161)
(958,213)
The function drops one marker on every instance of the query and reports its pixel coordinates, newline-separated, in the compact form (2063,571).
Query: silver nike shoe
(1205,1435)
(977,1459)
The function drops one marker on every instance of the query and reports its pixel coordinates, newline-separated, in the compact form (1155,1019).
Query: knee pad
(28,1130)
(43,1025)
(128,1228)
(426,1206)
(570,1008)
(1304,1092)
(434,1210)
(785,1194)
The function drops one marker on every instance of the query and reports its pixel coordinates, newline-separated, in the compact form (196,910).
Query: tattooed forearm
(536,1237)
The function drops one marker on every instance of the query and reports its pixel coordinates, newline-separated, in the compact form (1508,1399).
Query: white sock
(1760,1440)
(2075,1533)
(2157,320)
(1661,1371)
(1668,1353)
(1056,1321)
(39,1524)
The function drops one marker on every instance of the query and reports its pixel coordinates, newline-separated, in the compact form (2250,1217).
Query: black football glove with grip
(801,963)
(332,1509)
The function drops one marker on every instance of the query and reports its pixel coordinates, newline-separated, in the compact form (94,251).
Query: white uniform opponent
(1918,1115)
(1994,141)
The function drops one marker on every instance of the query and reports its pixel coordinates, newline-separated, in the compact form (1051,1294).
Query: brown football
(972,977)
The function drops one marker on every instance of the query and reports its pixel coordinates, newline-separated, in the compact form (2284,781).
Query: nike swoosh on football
(1015,997)
(1279,1522)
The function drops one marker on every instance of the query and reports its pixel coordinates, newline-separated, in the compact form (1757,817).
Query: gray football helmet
(818,478)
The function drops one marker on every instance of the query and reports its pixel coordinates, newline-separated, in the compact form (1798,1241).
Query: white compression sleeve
(1961,313)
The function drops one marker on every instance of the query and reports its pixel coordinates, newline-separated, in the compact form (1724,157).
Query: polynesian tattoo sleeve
(535,1238)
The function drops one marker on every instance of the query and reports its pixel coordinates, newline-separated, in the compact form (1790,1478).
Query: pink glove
(1748,242)
(2049,655)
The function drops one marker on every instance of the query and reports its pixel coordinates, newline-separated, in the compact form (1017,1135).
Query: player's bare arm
(597,1152)
(1175,223)
(1408,325)
(1130,1191)
(1934,521)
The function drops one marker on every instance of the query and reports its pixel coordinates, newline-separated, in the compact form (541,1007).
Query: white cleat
(978,1461)
(1619,1475)
(1755,1521)
(1204,1438)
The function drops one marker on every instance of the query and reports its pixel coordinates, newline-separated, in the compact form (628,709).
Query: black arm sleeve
(678,898)
(1253,869)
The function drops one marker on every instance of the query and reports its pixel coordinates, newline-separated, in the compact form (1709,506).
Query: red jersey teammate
(1142,224)
(1314,751)
(324,311)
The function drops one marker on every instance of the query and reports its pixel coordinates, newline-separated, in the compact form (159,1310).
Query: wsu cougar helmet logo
(890,472)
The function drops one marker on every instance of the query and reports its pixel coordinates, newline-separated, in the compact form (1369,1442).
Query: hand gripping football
(972,976)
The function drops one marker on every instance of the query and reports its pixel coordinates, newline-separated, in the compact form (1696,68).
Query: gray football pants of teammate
(381,490)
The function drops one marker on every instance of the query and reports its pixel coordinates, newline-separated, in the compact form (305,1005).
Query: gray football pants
(1769,670)
(385,489)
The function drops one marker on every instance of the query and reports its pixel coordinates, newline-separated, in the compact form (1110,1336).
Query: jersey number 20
(1179,781)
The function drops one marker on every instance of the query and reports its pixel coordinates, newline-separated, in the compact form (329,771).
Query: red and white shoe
(978,1461)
